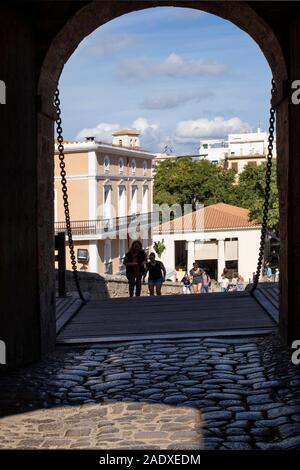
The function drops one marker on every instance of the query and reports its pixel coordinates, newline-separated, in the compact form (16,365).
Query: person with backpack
(206,282)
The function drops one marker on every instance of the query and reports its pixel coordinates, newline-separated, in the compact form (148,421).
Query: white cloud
(101,132)
(186,135)
(173,66)
(151,134)
(109,44)
(193,130)
(174,100)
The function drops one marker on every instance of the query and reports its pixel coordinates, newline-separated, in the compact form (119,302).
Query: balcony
(108,226)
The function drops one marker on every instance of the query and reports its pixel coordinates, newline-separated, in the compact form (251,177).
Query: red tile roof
(215,217)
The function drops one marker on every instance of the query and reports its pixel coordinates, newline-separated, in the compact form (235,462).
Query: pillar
(93,256)
(221,257)
(190,254)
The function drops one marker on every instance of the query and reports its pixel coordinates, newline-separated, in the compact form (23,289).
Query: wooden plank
(66,308)
(267,295)
(173,335)
(269,308)
(169,315)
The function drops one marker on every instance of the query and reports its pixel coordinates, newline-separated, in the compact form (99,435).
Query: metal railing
(101,226)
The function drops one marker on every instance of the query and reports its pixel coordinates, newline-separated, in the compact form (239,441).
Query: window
(205,146)
(145,199)
(134,191)
(120,142)
(145,167)
(121,166)
(133,167)
(106,165)
(235,166)
(252,163)
(121,249)
(82,255)
(122,252)
(107,257)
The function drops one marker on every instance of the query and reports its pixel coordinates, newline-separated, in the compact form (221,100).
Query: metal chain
(267,192)
(61,155)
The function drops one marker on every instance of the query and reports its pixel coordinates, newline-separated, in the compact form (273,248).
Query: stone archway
(84,22)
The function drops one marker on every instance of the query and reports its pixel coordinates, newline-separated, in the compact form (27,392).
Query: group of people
(231,283)
(197,280)
(138,265)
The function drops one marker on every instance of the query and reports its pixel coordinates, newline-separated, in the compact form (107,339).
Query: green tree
(185,181)
(250,193)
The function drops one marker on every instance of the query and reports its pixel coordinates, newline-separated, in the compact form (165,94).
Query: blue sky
(178,75)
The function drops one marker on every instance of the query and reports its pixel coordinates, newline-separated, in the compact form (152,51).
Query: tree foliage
(184,181)
(250,193)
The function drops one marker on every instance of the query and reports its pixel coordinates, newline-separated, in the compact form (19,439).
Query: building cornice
(79,147)
(105,177)
(208,230)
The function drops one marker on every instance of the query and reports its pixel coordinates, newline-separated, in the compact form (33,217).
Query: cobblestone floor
(177,394)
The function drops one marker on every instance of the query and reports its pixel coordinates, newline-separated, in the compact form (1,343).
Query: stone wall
(96,286)
(118,287)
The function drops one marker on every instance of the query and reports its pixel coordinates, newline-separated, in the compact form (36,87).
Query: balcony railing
(102,226)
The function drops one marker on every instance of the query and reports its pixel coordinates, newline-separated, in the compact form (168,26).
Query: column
(221,257)
(93,256)
(190,254)
(92,169)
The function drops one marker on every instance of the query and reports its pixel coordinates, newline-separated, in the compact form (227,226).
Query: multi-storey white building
(214,150)
(237,150)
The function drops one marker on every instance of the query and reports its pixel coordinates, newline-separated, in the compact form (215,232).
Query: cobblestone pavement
(177,394)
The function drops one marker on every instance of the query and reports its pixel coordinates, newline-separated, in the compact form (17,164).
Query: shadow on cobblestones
(207,393)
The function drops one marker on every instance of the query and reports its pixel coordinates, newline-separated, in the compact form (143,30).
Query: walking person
(135,261)
(224,284)
(157,274)
(234,282)
(196,275)
(206,282)
(186,284)
(240,283)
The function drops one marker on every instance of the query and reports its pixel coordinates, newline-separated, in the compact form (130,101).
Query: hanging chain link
(267,191)
(61,155)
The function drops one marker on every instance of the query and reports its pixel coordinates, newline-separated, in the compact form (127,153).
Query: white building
(213,150)
(238,150)
(250,143)
(216,236)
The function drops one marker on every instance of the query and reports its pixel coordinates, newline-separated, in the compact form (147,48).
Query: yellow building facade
(110,189)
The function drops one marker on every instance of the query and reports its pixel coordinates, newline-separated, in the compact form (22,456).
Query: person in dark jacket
(135,261)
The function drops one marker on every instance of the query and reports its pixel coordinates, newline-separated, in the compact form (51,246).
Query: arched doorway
(86,20)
